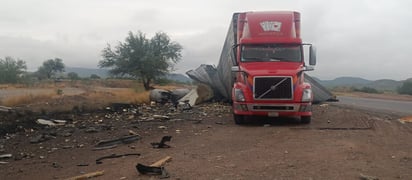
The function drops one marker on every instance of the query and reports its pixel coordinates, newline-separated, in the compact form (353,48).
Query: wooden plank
(161,162)
(87,176)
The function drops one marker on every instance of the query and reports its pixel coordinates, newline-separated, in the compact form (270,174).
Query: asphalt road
(392,106)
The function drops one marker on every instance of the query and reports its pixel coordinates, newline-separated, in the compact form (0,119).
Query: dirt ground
(340,143)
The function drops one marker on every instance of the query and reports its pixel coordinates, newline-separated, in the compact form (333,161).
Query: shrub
(366,90)
(406,88)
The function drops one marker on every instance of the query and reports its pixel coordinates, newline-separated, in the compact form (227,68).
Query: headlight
(239,96)
(307,95)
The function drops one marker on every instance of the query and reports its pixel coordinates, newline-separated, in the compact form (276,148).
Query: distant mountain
(345,81)
(381,85)
(385,84)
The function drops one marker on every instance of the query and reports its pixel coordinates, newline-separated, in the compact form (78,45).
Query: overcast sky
(363,38)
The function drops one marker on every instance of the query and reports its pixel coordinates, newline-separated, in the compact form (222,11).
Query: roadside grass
(97,94)
(27,99)
(93,99)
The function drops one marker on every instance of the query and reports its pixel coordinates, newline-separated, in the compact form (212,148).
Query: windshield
(271,52)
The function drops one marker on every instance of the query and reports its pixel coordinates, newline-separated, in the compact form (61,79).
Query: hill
(345,81)
(380,85)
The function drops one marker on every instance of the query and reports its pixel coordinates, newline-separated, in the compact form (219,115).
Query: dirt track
(340,143)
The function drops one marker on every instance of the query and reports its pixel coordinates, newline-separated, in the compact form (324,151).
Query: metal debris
(99,160)
(366,177)
(5,109)
(150,170)
(6,156)
(162,144)
(51,122)
(155,168)
(122,140)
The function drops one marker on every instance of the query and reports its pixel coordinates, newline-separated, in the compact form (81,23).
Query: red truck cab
(269,68)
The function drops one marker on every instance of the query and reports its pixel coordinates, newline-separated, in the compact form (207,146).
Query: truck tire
(239,119)
(305,119)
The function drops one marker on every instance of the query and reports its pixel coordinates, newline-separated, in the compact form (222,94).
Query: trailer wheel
(239,119)
(305,119)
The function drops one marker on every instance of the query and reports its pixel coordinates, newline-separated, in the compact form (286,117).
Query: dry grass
(27,99)
(118,95)
(98,94)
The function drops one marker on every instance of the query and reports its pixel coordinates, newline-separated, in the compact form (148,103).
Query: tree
(73,76)
(11,70)
(94,76)
(142,58)
(406,88)
(50,68)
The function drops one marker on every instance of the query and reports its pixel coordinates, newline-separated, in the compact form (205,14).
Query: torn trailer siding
(222,84)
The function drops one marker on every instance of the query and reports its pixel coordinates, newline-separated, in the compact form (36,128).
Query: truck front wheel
(239,119)
(305,119)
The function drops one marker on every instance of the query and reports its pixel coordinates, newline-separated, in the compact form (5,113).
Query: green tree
(142,58)
(73,76)
(94,76)
(11,70)
(50,68)
(406,88)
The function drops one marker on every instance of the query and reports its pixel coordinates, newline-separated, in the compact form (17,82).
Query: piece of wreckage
(220,81)
(182,98)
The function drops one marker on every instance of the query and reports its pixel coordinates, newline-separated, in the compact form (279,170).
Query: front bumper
(273,109)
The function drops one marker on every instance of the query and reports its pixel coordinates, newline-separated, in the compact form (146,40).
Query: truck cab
(269,66)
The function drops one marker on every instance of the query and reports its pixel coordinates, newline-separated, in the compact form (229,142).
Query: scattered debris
(163,117)
(324,105)
(83,164)
(366,177)
(87,176)
(99,160)
(120,107)
(131,132)
(41,138)
(151,170)
(51,122)
(104,148)
(6,156)
(122,140)
(162,144)
(155,168)
(56,165)
(5,109)
(407,119)
(91,130)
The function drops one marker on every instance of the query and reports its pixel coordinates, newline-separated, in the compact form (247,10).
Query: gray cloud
(354,37)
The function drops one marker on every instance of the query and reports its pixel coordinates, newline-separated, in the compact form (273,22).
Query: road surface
(392,106)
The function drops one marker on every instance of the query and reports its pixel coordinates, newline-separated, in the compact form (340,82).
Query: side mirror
(312,55)
(235,69)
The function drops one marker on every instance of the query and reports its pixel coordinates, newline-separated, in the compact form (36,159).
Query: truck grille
(272,88)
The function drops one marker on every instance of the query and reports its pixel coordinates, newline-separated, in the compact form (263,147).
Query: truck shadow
(272,121)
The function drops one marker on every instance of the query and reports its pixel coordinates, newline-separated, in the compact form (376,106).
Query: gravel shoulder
(340,143)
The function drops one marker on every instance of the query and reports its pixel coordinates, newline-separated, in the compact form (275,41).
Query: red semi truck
(266,55)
